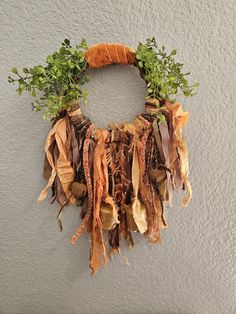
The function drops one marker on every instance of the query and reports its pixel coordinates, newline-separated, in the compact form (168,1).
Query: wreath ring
(121,177)
(100,55)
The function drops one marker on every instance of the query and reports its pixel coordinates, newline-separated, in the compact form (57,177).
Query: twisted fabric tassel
(177,119)
(62,165)
(125,174)
(87,171)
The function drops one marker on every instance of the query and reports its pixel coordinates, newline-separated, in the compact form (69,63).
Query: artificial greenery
(58,84)
(164,76)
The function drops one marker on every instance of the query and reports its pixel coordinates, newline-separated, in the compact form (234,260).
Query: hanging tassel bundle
(122,177)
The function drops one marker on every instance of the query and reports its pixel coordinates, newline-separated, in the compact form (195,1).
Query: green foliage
(164,77)
(58,84)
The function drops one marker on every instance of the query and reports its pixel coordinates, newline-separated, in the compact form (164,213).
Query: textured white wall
(192,270)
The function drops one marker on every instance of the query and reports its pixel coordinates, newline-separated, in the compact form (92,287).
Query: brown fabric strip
(87,172)
(165,141)
(75,147)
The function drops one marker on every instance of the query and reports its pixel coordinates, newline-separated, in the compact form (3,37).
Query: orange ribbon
(102,54)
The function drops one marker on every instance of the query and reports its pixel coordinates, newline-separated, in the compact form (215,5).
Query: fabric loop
(100,55)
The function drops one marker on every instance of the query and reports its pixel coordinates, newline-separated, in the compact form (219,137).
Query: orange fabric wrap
(103,54)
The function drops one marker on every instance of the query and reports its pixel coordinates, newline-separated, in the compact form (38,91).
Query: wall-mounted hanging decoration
(122,177)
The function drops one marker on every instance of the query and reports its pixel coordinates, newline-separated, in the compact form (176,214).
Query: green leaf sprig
(58,84)
(164,77)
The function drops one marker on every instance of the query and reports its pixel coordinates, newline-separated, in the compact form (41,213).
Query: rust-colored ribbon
(138,209)
(100,179)
(102,54)
(87,172)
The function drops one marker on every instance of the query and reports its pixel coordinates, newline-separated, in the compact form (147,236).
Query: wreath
(121,177)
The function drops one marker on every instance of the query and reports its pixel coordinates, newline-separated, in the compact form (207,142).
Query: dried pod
(78,189)
(130,218)
(107,217)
